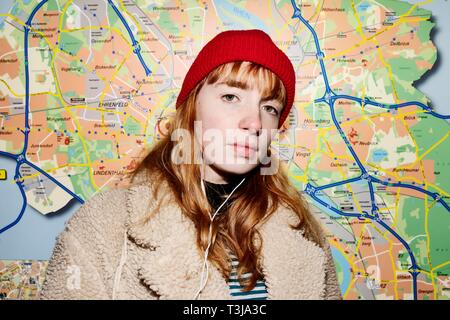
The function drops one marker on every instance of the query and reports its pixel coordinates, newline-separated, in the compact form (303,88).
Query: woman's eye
(229,97)
(271,110)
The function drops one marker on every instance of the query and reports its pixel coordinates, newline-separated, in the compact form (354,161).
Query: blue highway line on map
(329,98)
(389,107)
(21,158)
(137,47)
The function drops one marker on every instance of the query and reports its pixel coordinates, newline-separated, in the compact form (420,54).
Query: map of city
(87,86)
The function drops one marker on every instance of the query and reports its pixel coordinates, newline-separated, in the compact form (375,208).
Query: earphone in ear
(205,261)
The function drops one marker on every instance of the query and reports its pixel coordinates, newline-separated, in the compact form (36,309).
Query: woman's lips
(244,149)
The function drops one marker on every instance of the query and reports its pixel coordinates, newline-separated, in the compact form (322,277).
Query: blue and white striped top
(259,292)
(216,193)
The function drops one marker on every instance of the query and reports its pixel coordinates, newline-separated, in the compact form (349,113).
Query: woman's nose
(251,120)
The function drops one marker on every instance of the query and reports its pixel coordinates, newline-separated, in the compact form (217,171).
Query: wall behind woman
(74,159)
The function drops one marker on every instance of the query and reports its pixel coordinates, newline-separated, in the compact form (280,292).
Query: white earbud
(205,261)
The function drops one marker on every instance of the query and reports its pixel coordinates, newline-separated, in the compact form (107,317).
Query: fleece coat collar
(293,267)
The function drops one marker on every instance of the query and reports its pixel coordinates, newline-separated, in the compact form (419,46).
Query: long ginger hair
(252,203)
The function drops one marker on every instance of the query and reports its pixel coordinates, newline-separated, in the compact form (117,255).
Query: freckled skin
(234,114)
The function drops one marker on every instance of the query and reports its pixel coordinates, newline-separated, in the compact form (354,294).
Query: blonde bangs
(248,75)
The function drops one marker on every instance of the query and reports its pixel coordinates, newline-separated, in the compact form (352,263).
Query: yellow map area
(86,87)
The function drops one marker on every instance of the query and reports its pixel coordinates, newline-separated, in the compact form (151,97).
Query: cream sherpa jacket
(102,254)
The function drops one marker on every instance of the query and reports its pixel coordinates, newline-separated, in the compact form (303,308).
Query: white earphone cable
(203,281)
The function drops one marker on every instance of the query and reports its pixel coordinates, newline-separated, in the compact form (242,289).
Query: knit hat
(241,45)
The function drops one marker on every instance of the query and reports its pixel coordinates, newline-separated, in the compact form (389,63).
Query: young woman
(210,212)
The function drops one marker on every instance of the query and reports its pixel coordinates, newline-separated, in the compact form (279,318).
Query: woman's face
(237,127)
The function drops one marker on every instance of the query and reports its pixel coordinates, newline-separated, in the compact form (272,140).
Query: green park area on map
(86,87)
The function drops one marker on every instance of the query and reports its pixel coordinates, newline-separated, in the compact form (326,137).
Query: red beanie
(241,45)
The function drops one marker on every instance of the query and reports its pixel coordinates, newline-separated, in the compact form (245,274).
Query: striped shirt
(259,292)
(216,194)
